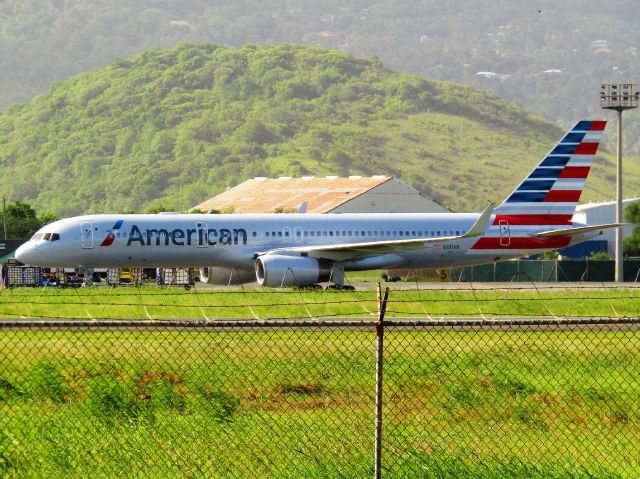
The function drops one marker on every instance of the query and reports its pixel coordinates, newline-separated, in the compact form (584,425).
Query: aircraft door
(87,235)
(298,234)
(505,233)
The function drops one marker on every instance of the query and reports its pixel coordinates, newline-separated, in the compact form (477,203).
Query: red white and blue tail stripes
(546,198)
(549,195)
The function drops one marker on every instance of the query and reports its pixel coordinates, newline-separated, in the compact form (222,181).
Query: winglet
(303,207)
(481,223)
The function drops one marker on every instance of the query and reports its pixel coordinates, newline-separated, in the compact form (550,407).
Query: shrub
(221,404)
(46,381)
(111,400)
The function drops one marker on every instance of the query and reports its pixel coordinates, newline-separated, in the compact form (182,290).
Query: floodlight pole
(4,215)
(619,97)
(619,273)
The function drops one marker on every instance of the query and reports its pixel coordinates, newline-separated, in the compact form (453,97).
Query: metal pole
(4,214)
(619,259)
(382,307)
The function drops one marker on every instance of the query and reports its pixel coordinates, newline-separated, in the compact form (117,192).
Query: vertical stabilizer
(550,194)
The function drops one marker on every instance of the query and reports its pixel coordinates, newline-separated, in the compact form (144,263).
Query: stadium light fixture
(619,97)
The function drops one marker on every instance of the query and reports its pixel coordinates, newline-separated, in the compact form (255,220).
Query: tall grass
(283,403)
(158,303)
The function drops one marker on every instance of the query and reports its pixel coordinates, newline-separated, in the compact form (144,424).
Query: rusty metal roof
(265,195)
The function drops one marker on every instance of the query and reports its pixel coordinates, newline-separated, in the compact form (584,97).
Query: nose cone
(26,254)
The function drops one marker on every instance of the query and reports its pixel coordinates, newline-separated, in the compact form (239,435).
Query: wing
(575,231)
(347,251)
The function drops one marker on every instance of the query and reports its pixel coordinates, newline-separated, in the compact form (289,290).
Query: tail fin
(549,195)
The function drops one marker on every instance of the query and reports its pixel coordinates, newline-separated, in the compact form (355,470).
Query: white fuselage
(234,241)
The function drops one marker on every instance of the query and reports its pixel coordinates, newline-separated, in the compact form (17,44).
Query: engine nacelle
(279,270)
(226,276)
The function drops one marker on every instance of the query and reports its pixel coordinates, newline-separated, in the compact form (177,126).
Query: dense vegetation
(21,220)
(174,127)
(547,55)
(300,403)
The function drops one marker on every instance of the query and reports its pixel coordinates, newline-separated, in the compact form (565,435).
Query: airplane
(305,249)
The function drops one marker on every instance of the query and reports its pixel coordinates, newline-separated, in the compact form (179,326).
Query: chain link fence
(471,398)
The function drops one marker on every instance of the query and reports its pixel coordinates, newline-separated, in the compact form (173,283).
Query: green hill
(548,55)
(174,127)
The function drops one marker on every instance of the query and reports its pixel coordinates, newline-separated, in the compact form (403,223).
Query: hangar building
(331,194)
(604,213)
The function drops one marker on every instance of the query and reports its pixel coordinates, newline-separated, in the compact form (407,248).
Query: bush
(8,390)
(111,400)
(46,381)
(159,389)
(222,405)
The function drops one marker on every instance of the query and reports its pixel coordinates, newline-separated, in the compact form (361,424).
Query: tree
(631,244)
(600,256)
(22,221)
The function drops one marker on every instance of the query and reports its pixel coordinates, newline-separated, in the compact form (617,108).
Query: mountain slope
(550,56)
(175,127)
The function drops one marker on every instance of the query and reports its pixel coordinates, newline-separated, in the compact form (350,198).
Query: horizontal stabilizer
(576,231)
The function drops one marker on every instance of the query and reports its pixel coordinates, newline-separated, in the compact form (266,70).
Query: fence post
(382,308)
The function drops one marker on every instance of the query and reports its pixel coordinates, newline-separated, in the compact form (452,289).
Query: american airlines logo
(111,236)
(201,236)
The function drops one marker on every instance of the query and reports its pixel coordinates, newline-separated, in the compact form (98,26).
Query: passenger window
(254,234)
(401,233)
(279,234)
(267,234)
(330,233)
(364,233)
(356,233)
(286,233)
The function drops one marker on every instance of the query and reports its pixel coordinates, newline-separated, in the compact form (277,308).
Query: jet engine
(280,270)
(225,276)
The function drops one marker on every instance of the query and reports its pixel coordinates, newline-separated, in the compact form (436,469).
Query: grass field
(160,302)
(289,404)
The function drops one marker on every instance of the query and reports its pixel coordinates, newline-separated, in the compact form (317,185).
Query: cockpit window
(46,237)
